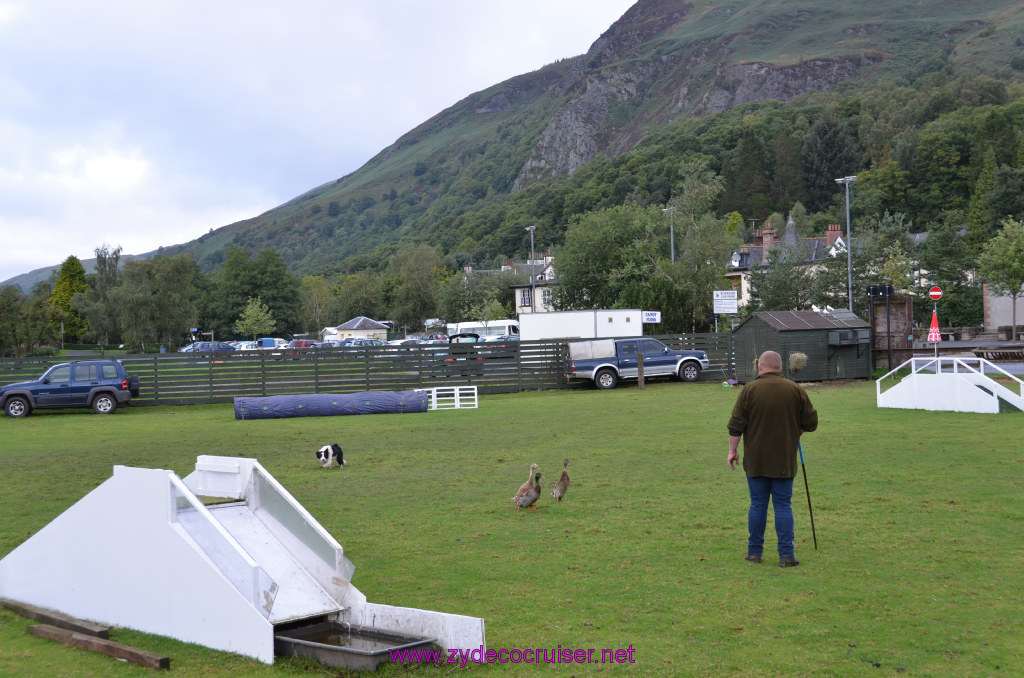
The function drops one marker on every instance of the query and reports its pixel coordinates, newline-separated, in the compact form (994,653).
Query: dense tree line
(144,303)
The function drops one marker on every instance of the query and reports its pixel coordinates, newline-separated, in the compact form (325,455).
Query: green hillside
(663,64)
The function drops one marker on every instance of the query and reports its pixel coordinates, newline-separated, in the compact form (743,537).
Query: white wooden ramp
(950,384)
(143,551)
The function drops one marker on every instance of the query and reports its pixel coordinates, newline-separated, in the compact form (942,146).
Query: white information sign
(726,301)
(651,316)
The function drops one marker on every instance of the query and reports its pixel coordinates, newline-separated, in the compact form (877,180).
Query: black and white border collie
(328,454)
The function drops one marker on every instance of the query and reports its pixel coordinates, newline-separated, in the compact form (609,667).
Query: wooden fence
(189,378)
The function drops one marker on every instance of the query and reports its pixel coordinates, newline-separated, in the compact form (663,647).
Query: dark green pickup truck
(103,385)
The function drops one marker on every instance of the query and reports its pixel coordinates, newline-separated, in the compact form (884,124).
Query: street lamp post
(533,284)
(671,232)
(849,243)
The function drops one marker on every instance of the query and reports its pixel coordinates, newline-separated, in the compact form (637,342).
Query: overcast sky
(143,123)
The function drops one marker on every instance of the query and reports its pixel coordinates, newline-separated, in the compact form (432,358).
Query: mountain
(661,63)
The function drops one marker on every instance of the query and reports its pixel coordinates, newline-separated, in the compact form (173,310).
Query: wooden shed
(837,344)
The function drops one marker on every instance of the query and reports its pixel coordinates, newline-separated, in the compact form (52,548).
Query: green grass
(918,518)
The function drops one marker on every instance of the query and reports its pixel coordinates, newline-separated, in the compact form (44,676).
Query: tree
(25,320)
(415,300)
(242,277)
(950,263)
(255,320)
(601,255)
(70,281)
(11,303)
(828,153)
(316,303)
(359,294)
(158,299)
(94,304)
(1001,264)
(978,221)
(784,284)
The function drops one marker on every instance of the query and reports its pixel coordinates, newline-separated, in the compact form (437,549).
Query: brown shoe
(788,562)
(752,558)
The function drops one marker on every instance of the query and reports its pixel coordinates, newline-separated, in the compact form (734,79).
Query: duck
(531,496)
(562,486)
(527,485)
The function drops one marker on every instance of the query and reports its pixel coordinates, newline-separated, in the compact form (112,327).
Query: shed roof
(361,322)
(785,321)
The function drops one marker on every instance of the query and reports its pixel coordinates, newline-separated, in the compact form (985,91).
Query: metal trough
(343,645)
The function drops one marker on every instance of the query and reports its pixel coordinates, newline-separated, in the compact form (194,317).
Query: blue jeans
(780,491)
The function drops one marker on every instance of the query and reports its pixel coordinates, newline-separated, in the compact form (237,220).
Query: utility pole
(671,232)
(533,278)
(849,244)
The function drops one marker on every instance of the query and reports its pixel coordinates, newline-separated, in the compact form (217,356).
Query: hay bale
(797,361)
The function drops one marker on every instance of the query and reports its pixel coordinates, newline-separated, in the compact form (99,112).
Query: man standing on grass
(770,414)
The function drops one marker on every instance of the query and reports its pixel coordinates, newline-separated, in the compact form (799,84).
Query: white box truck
(598,324)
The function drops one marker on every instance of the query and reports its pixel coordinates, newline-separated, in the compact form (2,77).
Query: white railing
(956,383)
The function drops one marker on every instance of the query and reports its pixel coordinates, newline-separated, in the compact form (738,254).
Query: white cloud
(144,124)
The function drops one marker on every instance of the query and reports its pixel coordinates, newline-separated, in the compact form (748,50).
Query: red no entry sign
(935,293)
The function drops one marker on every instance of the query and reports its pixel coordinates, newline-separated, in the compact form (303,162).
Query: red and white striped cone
(933,331)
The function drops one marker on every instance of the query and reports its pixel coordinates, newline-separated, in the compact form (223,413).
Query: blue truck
(103,385)
(607,361)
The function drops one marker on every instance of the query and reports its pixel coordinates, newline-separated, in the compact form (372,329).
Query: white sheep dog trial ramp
(142,551)
(950,384)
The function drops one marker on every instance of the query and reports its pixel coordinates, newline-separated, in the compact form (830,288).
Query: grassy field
(919,520)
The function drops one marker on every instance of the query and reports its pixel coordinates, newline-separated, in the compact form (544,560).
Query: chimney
(833,233)
(768,238)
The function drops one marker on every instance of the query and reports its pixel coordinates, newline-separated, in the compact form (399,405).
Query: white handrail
(970,369)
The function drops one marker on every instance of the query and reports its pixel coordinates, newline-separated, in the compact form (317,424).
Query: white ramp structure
(950,384)
(142,551)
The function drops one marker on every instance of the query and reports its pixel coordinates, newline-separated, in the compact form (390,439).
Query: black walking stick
(809,509)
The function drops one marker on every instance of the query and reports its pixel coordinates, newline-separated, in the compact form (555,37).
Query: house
(999,314)
(542,286)
(360,326)
(755,255)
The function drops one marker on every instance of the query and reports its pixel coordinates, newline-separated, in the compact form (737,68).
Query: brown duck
(562,486)
(525,486)
(530,496)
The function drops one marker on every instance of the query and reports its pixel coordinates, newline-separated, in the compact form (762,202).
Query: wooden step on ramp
(83,635)
(101,645)
(57,619)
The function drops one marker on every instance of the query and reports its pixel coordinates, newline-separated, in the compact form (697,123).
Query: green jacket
(770,413)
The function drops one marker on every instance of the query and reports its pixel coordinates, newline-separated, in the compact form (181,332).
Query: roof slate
(361,322)
(811,320)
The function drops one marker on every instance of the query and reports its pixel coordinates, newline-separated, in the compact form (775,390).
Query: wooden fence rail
(190,378)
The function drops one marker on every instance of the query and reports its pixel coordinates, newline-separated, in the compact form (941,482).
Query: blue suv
(102,385)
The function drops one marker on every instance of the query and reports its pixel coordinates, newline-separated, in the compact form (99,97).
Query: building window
(524,297)
(545,297)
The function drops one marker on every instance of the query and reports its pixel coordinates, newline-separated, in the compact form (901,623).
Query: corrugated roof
(811,320)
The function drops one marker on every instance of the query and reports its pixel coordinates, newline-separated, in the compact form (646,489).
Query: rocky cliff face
(637,68)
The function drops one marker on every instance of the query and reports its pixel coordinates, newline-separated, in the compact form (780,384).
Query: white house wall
(999,311)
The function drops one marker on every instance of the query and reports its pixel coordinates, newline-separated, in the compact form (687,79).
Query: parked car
(246,346)
(361,341)
(269,343)
(102,385)
(302,343)
(206,347)
(606,361)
